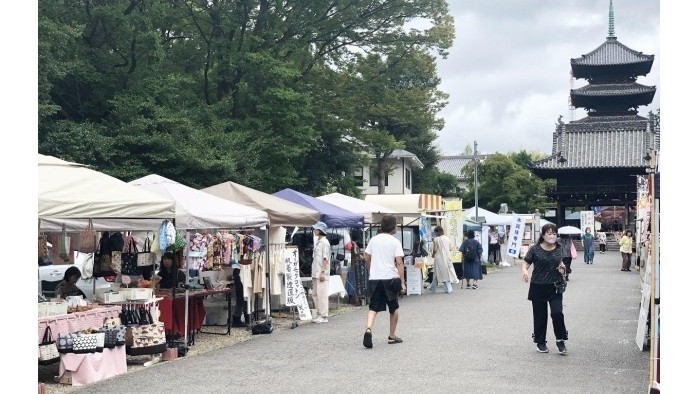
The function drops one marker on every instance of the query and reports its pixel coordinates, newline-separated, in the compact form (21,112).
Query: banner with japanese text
(454,225)
(515,236)
(294,292)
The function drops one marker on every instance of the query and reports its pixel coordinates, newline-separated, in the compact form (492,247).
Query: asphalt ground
(476,341)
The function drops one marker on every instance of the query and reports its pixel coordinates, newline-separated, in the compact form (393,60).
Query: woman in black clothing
(546,255)
(168,271)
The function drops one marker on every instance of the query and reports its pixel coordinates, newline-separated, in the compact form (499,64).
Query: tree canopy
(268,93)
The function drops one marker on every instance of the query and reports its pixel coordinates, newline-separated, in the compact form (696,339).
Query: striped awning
(430,202)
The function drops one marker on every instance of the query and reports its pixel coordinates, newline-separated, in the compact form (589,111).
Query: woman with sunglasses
(546,255)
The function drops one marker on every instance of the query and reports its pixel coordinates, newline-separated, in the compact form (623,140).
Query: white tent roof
(490,217)
(195,209)
(352,204)
(71,193)
(408,204)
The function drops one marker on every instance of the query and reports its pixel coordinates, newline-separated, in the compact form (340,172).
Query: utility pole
(476,184)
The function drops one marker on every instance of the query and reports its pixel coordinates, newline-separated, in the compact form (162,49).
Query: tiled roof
(400,154)
(601,143)
(612,52)
(613,89)
(453,165)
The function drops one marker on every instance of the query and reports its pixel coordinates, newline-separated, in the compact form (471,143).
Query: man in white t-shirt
(384,260)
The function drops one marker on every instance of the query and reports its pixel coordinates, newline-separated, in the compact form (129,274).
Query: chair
(48,288)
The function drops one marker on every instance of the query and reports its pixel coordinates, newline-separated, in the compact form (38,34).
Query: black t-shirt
(166,281)
(545,262)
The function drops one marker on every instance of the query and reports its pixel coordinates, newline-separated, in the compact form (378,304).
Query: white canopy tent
(195,209)
(490,218)
(368,209)
(71,193)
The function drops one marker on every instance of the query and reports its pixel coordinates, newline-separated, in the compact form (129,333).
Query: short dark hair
(545,228)
(470,234)
(71,271)
(388,223)
(439,230)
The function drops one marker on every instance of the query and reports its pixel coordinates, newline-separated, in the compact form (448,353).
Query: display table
(196,312)
(89,368)
(76,321)
(335,286)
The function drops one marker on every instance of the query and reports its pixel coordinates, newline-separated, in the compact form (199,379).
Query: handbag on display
(146,257)
(48,351)
(112,322)
(121,335)
(115,263)
(129,256)
(87,242)
(43,251)
(100,336)
(84,343)
(65,343)
(146,339)
(110,340)
(63,243)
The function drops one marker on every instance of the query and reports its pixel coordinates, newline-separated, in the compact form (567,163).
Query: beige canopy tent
(281,211)
(371,211)
(71,193)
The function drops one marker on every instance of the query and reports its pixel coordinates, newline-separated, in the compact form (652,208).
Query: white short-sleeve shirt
(384,248)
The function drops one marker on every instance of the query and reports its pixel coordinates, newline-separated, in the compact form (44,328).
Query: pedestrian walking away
(626,243)
(546,287)
(588,248)
(320,272)
(471,256)
(602,240)
(443,270)
(384,260)
(494,247)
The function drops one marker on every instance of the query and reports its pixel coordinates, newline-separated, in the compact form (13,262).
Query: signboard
(453,225)
(587,220)
(294,292)
(414,280)
(515,237)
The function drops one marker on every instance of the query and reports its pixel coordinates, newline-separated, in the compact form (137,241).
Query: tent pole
(186,256)
(267,272)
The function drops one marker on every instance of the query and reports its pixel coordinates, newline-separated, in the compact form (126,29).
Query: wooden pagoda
(595,159)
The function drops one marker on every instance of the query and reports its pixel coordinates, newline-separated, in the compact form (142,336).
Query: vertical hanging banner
(453,225)
(515,237)
(587,220)
(294,292)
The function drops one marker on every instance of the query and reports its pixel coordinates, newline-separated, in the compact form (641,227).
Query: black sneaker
(562,347)
(395,339)
(542,348)
(367,340)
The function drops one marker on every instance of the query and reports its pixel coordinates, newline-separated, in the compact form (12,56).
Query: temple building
(595,159)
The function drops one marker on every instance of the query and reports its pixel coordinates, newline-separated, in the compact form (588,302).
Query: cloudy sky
(508,70)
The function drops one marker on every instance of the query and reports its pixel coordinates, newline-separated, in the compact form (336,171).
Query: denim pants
(433,285)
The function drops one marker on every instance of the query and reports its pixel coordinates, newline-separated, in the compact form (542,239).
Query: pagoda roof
(600,143)
(612,52)
(613,89)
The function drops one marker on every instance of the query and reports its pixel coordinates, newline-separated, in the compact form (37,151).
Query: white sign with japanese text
(588,220)
(294,292)
(515,237)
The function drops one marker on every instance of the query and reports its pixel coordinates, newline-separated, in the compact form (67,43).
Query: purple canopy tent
(333,216)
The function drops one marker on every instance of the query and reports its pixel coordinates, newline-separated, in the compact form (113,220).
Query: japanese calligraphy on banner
(587,220)
(515,236)
(454,225)
(294,292)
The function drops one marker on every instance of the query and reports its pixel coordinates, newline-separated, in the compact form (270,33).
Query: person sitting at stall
(67,286)
(167,272)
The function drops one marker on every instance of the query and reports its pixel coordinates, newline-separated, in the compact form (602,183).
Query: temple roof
(601,142)
(612,52)
(613,89)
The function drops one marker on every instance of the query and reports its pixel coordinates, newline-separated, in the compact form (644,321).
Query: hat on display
(320,226)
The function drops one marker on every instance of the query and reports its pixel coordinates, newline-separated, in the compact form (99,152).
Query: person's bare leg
(393,322)
(371,315)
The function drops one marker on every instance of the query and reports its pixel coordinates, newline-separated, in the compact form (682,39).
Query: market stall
(282,213)
(197,210)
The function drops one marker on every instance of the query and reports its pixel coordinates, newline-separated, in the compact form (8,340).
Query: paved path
(469,341)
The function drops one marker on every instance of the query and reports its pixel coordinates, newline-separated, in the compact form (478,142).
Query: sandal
(367,340)
(395,339)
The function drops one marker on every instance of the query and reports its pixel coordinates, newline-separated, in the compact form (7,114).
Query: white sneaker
(320,320)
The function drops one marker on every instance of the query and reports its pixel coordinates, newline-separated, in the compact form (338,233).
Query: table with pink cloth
(76,321)
(89,368)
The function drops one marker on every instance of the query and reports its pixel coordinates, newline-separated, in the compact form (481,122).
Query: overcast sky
(508,72)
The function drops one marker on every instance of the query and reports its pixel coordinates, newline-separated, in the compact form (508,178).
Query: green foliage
(265,93)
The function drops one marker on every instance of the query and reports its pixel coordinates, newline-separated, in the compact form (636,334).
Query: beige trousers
(319,293)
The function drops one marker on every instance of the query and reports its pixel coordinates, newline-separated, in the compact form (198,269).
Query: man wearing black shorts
(384,260)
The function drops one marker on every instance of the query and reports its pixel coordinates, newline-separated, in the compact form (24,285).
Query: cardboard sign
(294,292)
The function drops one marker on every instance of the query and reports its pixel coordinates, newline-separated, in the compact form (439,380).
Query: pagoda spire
(611,22)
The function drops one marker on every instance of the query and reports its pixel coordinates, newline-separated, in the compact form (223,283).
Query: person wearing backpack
(471,251)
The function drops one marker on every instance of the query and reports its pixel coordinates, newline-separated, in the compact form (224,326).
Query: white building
(399,180)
